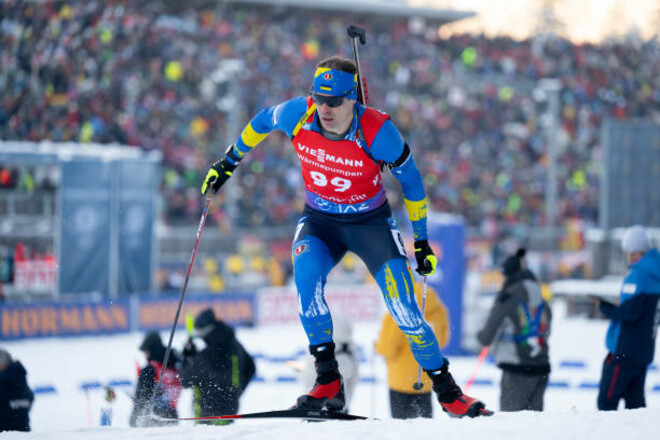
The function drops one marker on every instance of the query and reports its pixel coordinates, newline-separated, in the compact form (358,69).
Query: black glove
(220,171)
(426,260)
(189,349)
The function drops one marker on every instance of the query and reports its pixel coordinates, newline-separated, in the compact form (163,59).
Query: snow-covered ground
(577,352)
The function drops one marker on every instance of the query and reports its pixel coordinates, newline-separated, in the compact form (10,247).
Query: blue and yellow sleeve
(388,146)
(283,117)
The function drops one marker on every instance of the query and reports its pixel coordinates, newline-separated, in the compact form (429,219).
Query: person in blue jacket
(631,335)
(343,146)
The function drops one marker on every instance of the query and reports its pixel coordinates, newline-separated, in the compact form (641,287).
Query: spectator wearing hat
(517,332)
(220,372)
(152,393)
(631,335)
(16,397)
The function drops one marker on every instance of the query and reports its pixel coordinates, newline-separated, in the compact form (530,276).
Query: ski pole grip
(357,32)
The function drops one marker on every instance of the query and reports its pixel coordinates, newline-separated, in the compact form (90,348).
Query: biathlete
(342,147)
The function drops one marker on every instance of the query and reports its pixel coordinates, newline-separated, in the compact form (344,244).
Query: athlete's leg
(311,264)
(396,282)
(312,261)
(378,243)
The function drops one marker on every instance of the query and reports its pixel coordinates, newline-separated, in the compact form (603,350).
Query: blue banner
(447,238)
(138,181)
(234,309)
(68,319)
(84,249)
(20,321)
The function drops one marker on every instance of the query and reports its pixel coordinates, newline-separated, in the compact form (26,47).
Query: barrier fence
(147,312)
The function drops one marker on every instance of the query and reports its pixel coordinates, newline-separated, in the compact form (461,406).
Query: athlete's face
(336,120)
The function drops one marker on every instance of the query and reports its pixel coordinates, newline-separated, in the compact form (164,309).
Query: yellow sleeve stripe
(251,138)
(416,210)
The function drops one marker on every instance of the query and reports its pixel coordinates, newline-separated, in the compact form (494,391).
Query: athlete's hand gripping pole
(418,385)
(221,171)
(426,259)
(358,33)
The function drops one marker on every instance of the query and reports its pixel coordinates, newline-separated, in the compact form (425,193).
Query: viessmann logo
(322,156)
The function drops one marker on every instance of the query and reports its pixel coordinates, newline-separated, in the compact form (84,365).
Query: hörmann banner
(63,319)
(159,313)
(20,321)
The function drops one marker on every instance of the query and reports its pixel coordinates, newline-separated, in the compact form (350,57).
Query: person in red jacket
(150,396)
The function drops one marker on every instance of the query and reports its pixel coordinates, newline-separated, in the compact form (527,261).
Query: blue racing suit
(346,210)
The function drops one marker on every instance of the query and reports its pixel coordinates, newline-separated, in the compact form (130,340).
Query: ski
(285,413)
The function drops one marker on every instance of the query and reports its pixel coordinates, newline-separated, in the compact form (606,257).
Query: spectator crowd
(139,73)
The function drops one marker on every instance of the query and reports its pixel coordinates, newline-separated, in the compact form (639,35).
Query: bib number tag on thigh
(396,234)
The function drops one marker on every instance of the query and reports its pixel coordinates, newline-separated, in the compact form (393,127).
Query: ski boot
(451,397)
(328,391)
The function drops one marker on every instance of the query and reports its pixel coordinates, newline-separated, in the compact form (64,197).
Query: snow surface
(577,350)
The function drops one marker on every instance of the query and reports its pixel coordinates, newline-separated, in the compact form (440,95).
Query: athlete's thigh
(323,230)
(375,241)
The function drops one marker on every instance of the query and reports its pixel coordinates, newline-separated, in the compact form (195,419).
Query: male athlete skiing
(341,145)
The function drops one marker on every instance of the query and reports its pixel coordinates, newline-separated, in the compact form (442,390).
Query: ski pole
(480,360)
(418,385)
(183,291)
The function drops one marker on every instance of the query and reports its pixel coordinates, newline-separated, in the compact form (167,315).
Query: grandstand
(148,75)
(388,8)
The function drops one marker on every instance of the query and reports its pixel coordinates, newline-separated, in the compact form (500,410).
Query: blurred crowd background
(137,73)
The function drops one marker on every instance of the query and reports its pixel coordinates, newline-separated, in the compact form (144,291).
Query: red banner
(35,275)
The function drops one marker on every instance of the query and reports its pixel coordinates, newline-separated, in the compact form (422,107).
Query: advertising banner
(359,303)
(159,313)
(138,181)
(84,250)
(447,238)
(67,319)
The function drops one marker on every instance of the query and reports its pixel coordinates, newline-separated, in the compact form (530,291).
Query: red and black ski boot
(328,391)
(451,397)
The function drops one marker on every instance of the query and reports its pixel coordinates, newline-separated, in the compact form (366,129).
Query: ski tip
(479,410)
(486,412)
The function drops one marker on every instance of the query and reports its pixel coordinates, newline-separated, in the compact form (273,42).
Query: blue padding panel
(90,385)
(572,364)
(44,389)
(368,379)
(589,385)
(279,359)
(558,384)
(285,379)
(483,382)
(656,387)
(120,383)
